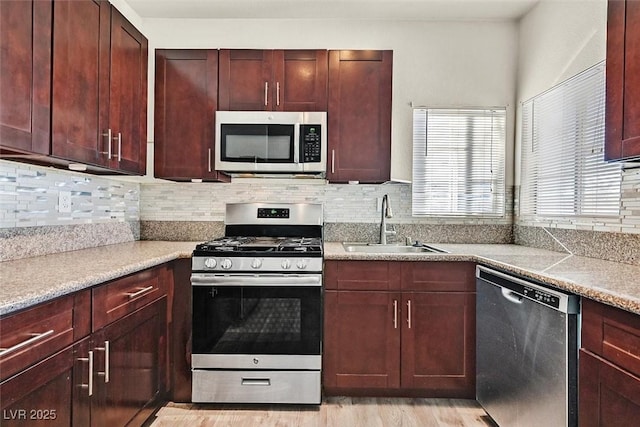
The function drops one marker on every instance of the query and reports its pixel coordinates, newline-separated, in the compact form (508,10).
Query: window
(563,168)
(458,162)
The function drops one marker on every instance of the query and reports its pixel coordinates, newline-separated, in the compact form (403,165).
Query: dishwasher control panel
(543,297)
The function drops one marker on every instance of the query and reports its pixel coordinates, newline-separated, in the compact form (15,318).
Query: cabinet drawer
(439,276)
(612,334)
(362,275)
(123,296)
(35,333)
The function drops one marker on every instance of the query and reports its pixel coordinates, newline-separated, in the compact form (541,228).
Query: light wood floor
(334,412)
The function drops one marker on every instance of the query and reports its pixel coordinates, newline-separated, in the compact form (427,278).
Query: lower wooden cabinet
(399,342)
(115,376)
(609,363)
(609,396)
(41,394)
(128,376)
(361,340)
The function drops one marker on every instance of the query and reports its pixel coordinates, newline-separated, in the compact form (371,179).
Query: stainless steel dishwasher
(526,351)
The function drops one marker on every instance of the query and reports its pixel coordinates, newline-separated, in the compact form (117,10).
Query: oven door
(267,321)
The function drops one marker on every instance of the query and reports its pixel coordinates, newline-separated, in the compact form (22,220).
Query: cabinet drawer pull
(90,360)
(395,314)
(132,295)
(106,361)
(266,93)
(409,313)
(34,338)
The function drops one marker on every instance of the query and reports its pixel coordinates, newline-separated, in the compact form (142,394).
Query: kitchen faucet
(386,213)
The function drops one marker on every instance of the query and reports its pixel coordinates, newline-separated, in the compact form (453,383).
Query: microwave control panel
(310,143)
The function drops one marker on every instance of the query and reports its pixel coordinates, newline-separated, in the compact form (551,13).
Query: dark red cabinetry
(622,135)
(399,328)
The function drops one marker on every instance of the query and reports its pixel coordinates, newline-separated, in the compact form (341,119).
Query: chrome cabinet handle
(333,161)
(278,94)
(209,159)
(106,361)
(34,338)
(108,135)
(132,295)
(266,92)
(409,313)
(90,360)
(119,139)
(395,314)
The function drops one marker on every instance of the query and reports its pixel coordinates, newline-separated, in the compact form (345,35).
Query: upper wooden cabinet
(73,85)
(359,111)
(273,80)
(25,75)
(623,80)
(186,99)
(99,87)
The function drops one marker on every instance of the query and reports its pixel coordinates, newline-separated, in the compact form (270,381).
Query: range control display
(541,296)
(273,212)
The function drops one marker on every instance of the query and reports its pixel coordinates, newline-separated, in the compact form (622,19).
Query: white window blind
(458,162)
(563,168)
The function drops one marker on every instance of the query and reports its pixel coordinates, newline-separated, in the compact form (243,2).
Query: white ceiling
(427,10)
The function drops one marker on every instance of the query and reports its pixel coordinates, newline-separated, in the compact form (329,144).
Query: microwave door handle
(297,142)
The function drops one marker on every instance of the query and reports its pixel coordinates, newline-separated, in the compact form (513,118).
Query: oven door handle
(205,279)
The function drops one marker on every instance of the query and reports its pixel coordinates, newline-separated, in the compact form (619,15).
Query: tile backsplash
(342,203)
(29,196)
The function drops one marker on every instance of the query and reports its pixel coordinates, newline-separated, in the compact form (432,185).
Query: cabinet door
(128,95)
(80,80)
(131,377)
(245,76)
(41,394)
(25,75)
(361,341)
(438,343)
(359,143)
(623,80)
(608,395)
(186,98)
(300,78)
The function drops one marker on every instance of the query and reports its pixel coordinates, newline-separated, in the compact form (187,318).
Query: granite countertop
(609,282)
(29,281)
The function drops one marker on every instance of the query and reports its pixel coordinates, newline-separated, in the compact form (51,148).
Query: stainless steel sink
(389,248)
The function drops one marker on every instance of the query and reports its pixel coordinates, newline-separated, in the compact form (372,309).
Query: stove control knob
(210,263)
(301,264)
(226,264)
(256,263)
(286,264)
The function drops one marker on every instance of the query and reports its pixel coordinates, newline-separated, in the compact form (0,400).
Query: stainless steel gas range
(257,307)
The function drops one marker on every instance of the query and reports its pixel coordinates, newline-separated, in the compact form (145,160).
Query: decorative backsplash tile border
(342,203)
(29,196)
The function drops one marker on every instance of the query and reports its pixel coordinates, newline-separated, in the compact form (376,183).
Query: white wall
(434,63)
(558,39)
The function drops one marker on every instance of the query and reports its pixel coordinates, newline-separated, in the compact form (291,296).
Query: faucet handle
(408,241)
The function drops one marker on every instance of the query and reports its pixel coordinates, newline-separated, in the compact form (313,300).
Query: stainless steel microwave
(271,141)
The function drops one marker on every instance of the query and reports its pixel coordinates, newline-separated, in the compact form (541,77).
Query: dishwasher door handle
(512,296)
